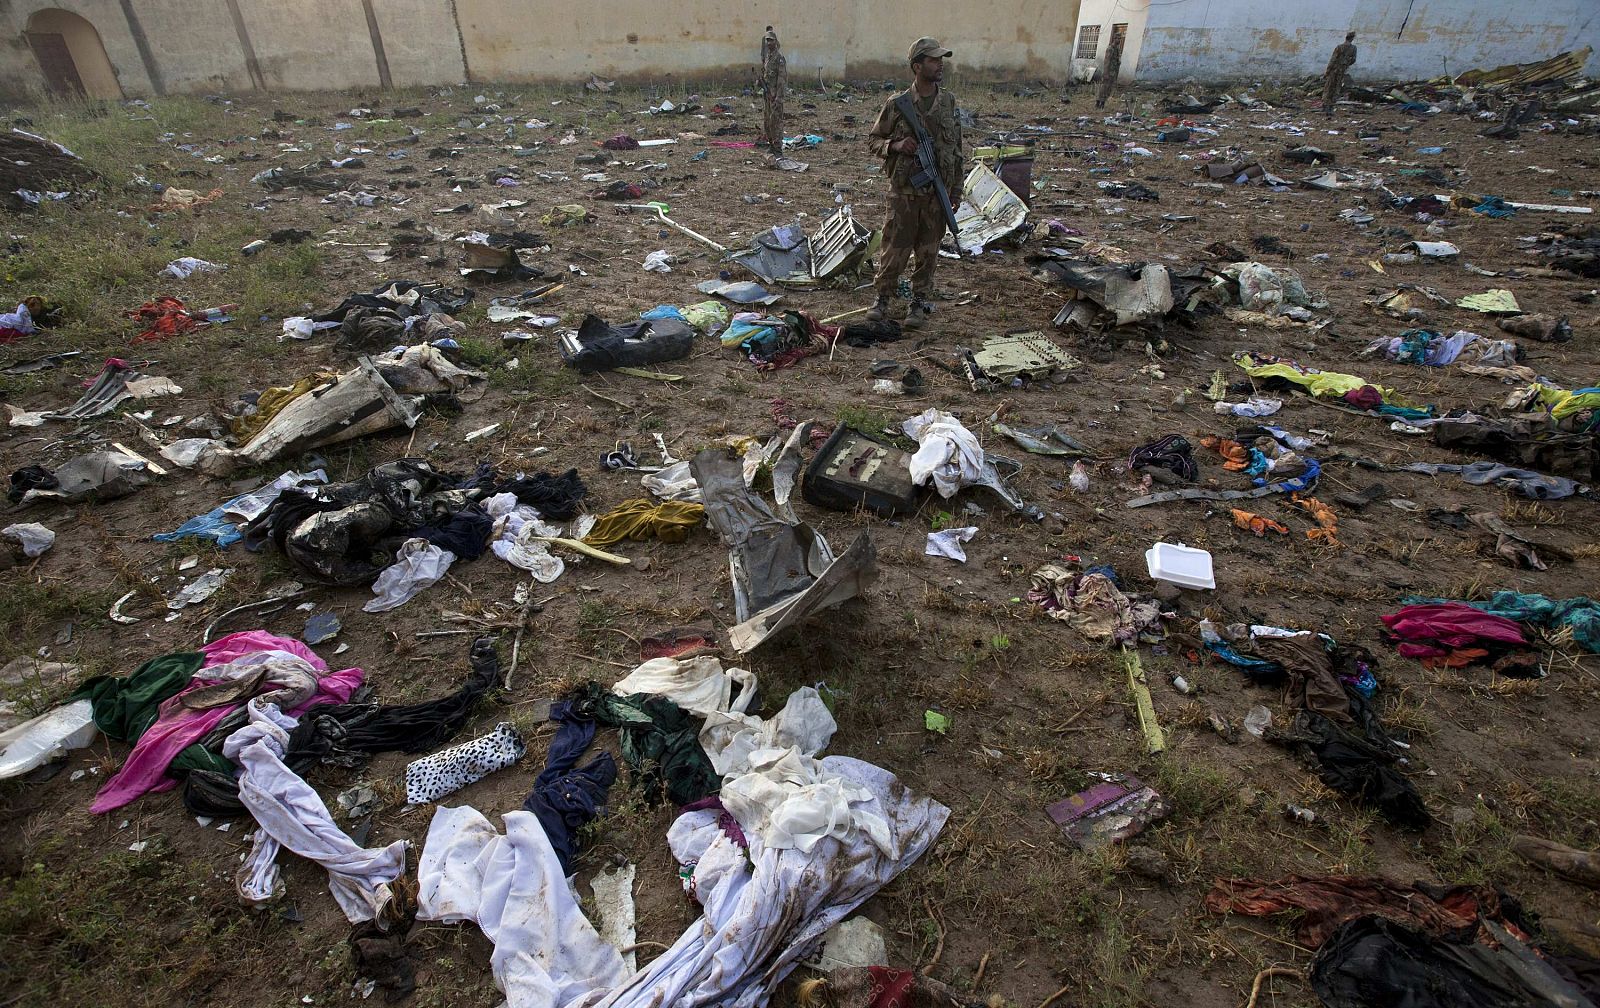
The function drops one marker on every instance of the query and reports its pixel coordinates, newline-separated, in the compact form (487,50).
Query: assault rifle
(929,165)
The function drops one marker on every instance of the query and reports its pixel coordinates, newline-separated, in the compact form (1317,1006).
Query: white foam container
(1181,565)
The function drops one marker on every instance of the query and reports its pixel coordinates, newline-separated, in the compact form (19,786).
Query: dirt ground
(1033,705)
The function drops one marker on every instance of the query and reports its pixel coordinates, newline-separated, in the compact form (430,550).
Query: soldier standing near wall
(916,221)
(1333,78)
(774,82)
(1108,78)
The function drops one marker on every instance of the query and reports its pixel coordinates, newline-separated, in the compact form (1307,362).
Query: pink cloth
(145,769)
(1435,629)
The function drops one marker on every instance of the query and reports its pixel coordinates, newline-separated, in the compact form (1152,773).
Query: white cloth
(947,543)
(546,953)
(188,266)
(35,538)
(419,565)
(763,910)
(51,734)
(21,320)
(948,453)
(804,723)
(699,685)
(291,814)
(773,786)
(675,482)
(788,800)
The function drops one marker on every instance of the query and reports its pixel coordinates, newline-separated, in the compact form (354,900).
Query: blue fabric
(1494,206)
(565,797)
(664,312)
(211,525)
(1227,653)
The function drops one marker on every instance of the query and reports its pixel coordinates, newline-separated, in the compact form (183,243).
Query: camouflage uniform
(774,82)
(1108,75)
(916,221)
(1339,64)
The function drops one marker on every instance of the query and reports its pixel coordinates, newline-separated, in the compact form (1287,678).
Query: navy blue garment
(465,533)
(565,797)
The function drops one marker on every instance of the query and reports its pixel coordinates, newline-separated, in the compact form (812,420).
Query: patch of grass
(866,419)
(64,949)
(28,608)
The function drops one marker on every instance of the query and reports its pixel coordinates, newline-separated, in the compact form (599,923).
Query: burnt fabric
(660,742)
(1172,453)
(566,797)
(348,533)
(348,734)
(1329,901)
(1362,768)
(1534,441)
(557,498)
(464,533)
(866,334)
(603,346)
(404,298)
(1372,962)
(30,477)
(1436,629)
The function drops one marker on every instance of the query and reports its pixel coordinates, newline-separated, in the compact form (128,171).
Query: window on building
(1119,35)
(1088,41)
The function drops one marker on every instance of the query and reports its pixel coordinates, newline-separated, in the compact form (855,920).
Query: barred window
(1088,41)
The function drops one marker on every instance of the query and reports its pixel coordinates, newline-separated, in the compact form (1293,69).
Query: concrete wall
(200,45)
(1395,39)
(644,39)
(1106,13)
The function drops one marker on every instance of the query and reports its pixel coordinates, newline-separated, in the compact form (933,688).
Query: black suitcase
(853,471)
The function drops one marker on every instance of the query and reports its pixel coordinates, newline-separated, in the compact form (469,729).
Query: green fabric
(126,706)
(1581,614)
(660,742)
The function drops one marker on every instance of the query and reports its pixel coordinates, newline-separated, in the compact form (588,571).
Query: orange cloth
(1257,524)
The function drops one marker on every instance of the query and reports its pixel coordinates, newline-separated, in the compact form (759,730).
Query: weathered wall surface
(1395,39)
(199,45)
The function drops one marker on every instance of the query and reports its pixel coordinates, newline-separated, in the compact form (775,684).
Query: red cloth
(163,318)
(891,988)
(1437,629)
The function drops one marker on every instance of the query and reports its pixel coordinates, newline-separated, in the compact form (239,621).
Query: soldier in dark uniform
(916,221)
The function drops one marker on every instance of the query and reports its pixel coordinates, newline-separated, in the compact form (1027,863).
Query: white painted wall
(1106,13)
(1395,39)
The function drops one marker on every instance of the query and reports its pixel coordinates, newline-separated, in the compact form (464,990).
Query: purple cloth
(145,769)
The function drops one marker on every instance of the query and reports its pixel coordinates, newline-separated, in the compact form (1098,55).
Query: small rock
(1149,862)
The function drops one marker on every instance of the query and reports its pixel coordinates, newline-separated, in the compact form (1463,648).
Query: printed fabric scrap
(1092,604)
(448,771)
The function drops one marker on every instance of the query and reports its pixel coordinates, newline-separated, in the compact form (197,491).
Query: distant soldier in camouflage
(774,82)
(916,221)
(1333,79)
(1109,72)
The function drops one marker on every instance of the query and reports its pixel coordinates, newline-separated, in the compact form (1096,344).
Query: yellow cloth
(272,402)
(1318,383)
(1563,403)
(639,519)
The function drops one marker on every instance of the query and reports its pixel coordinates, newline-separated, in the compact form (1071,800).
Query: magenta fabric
(1437,628)
(145,769)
